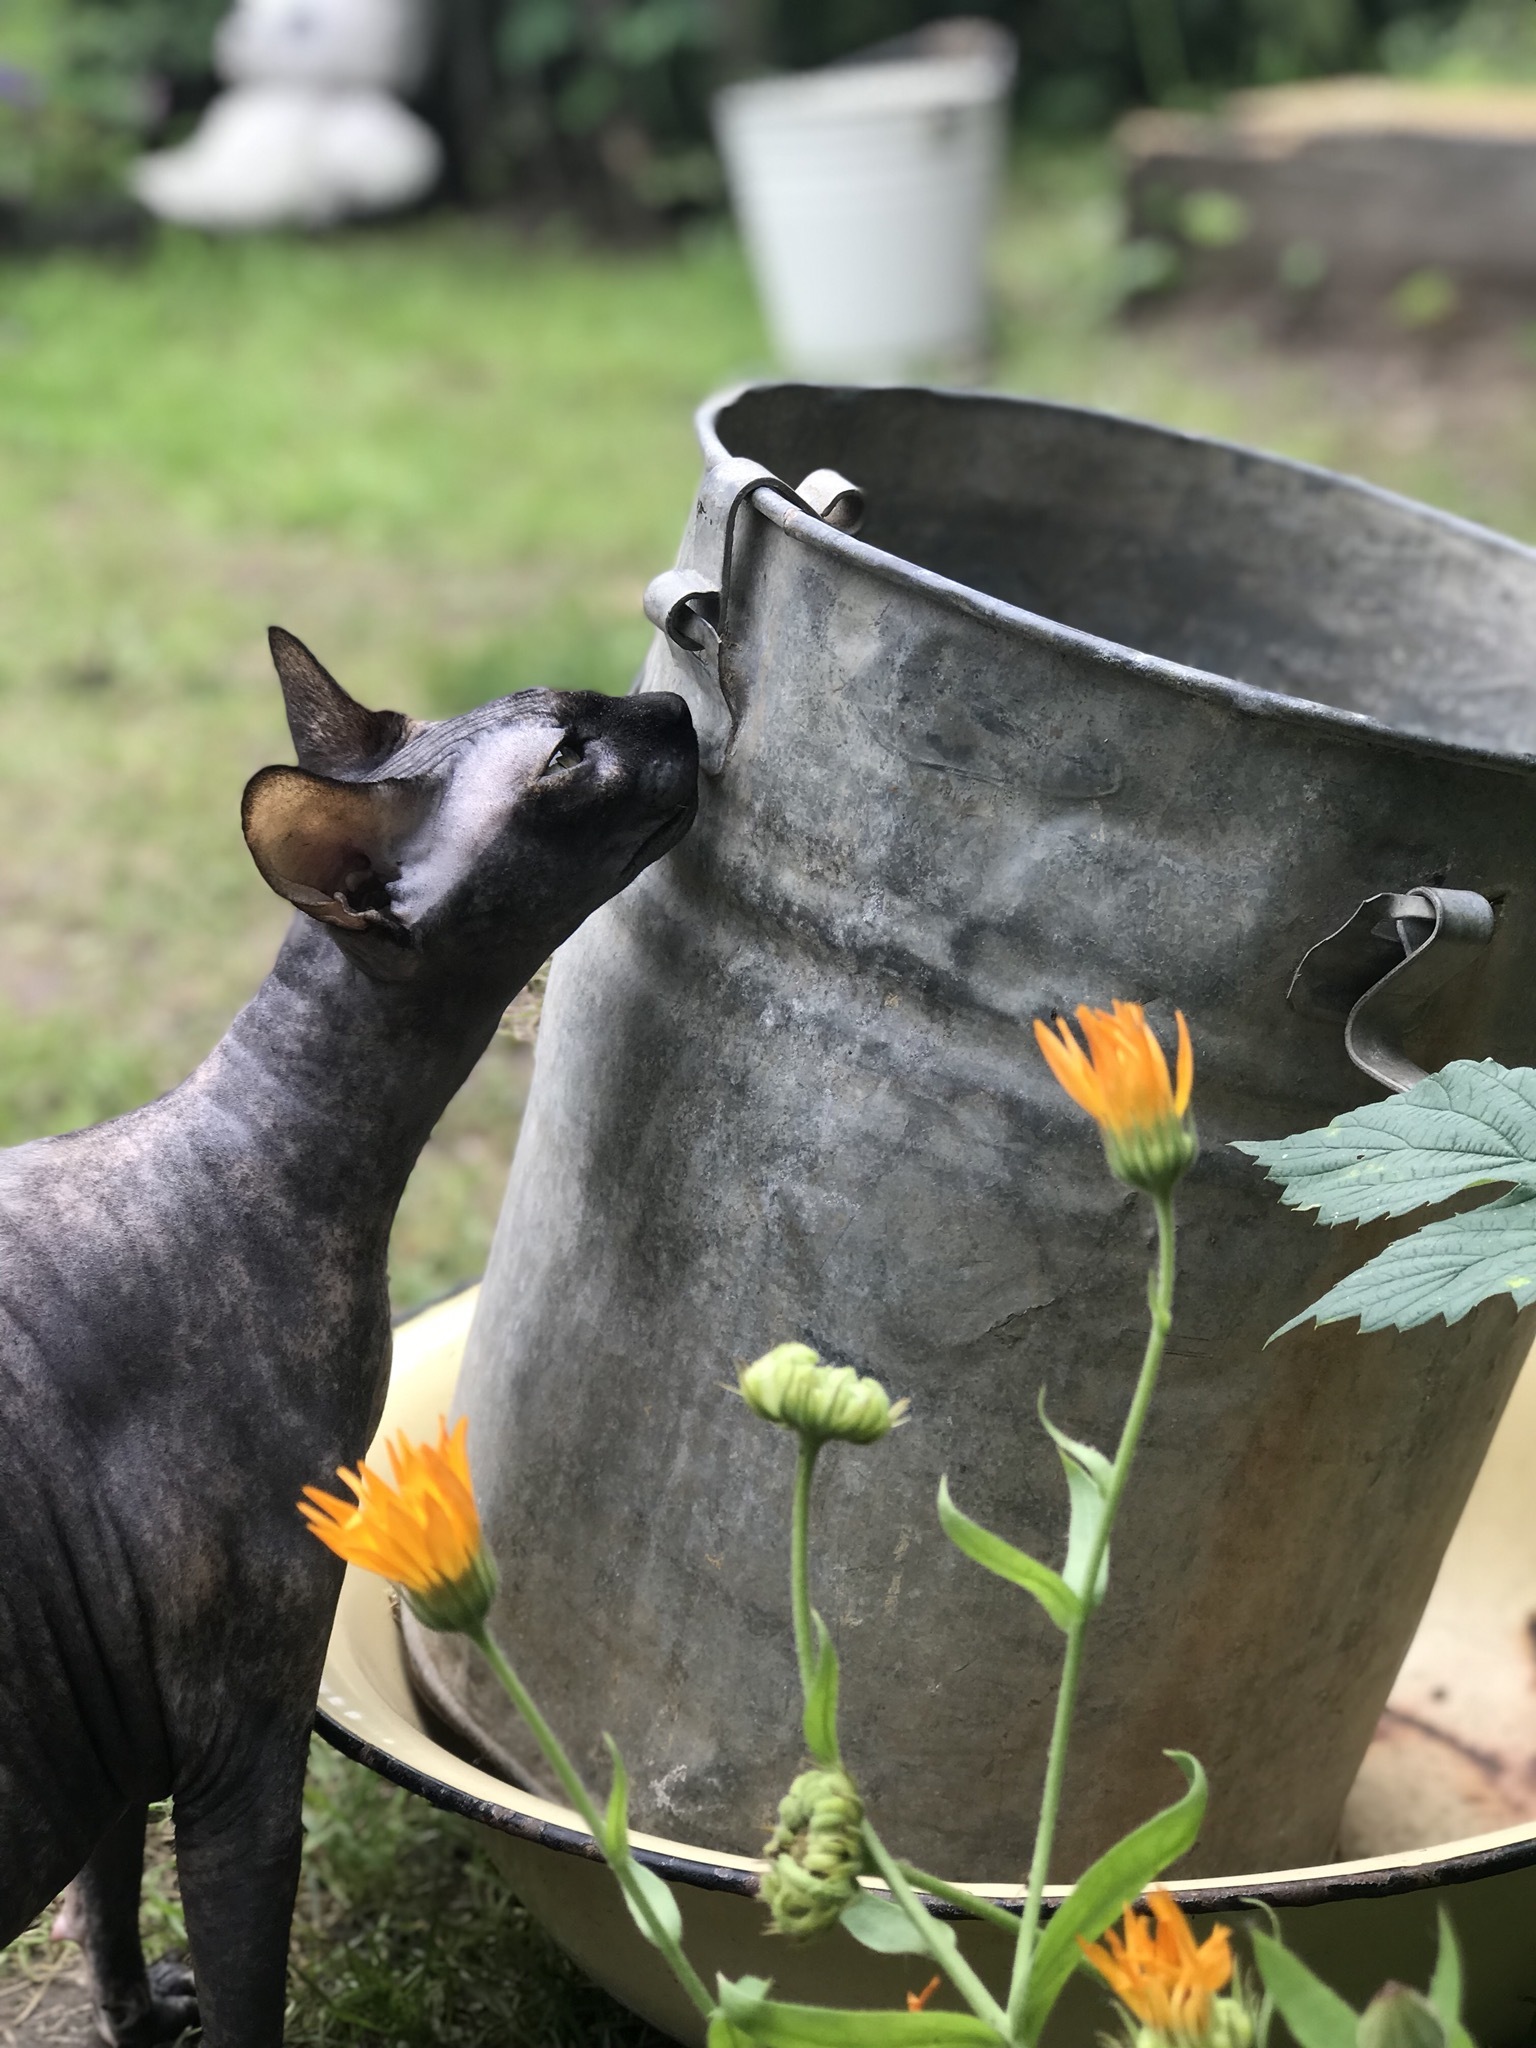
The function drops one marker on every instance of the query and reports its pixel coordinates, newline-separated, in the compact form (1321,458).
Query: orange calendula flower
(1122,1081)
(421,1530)
(1165,1980)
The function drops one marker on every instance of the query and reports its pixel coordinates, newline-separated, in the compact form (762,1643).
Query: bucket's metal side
(769,1104)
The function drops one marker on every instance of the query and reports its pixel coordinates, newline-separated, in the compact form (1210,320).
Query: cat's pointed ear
(333,848)
(332,733)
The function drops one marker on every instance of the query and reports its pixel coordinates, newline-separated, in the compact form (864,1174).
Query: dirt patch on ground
(45,2004)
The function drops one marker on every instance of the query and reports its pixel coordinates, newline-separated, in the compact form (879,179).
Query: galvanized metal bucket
(1087,709)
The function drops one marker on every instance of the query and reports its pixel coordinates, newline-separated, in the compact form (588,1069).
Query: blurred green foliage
(83,85)
(582,96)
(600,108)
(1488,40)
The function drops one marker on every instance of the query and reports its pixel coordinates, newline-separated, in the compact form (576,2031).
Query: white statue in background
(310,131)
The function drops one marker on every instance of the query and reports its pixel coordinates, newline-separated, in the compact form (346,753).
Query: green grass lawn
(450,460)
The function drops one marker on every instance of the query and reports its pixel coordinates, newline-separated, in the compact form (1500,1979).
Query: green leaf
(1120,1875)
(739,1993)
(1088,1474)
(816,2026)
(821,1700)
(1445,1985)
(994,1555)
(880,1924)
(1445,1269)
(746,2006)
(723,2035)
(1399,2018)
(660,1901)
(616,1819)
(1317,2017)
(1469,1126)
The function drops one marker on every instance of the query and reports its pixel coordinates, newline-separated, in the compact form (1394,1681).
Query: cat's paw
(170,2013)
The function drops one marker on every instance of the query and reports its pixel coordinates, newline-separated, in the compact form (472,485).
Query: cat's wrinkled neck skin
(334,1080)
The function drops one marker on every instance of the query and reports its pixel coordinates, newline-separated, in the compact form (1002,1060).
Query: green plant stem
(957,1895)
(936,1937)
(1160,1304)
(799,1561)
(579,1797)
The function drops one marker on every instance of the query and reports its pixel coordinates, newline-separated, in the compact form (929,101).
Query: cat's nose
(667,705)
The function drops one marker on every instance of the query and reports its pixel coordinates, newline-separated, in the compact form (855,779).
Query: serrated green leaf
(821,1701)
(616,1819)
(660,1901)
(995,1555)
(1088,1474)
(1472,1125)
(1120,1875)
(880,1924)
(1445,1269)
(1317,2016)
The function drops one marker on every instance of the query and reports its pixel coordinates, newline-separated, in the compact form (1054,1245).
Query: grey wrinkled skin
(194,1316)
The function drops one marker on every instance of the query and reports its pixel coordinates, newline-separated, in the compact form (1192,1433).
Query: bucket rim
(1250,700)
(863,92)
(1375,1877)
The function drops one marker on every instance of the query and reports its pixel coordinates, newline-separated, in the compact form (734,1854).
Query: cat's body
(194,1313)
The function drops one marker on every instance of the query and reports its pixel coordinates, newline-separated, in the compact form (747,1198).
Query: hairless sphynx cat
(194,1319)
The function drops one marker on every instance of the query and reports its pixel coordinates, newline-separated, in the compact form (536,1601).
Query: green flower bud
(815,1854)
(1399,2018)
(790,1385)
(1228,2024)
(1231,2024)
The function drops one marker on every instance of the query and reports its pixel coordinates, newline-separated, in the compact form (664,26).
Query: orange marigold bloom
(1122,1081)
(422,1530)
(1159,1974)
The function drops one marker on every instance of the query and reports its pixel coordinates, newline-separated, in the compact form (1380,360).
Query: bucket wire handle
(1405,948)
(688,604)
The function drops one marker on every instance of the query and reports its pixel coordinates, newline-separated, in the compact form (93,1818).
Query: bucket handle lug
(688,604)
(1404,947)
(686,610)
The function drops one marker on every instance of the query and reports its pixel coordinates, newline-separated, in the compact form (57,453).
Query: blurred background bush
(600,107)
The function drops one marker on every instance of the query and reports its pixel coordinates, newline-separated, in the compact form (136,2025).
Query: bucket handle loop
(688,604)
(1405,948)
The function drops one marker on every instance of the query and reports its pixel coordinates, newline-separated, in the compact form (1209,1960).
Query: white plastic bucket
(865,192)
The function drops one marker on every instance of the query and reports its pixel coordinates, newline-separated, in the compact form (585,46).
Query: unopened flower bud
(790,1385)
(1399,2018)
(815,1854)
(1231,2024)
(1227,2024)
